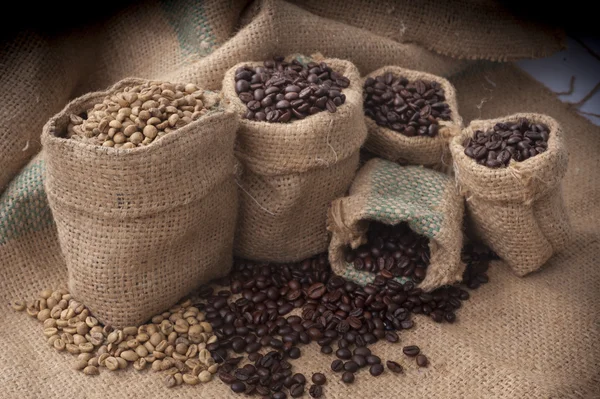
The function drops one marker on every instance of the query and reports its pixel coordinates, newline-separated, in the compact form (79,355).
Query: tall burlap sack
(292,171)
(141,228)
(419,150)
(389,193)
(518,211)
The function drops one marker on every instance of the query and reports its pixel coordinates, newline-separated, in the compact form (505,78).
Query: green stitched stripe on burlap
(403,194)
(191,25)
(23,205)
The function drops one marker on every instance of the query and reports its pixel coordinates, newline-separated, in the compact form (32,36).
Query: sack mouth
(325,150)
(519,181)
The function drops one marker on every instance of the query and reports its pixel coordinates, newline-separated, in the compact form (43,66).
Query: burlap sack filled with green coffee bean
(411,116)
(293,170)
(388,193)
(517,210)
(139,228)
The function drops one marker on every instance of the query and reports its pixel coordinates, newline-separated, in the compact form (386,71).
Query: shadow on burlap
(535,337)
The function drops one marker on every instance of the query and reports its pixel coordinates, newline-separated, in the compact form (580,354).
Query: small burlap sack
(389,193)
(428,151)
(518,211)
(141,228)
(292,172)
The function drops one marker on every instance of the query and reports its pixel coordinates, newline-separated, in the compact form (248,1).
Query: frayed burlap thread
(428,151)
(389,193)
(141,228)
(518,211)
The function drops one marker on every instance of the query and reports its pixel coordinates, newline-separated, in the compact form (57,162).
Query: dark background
(52,18)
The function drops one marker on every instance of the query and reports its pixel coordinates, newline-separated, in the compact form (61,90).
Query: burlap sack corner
(379,193)
(428,151)
(292,172)
(141,228)
(518,211)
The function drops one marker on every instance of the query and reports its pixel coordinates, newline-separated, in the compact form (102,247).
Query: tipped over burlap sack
(389,193)
(419,150)
(518,211)
(292,172)
(141,228)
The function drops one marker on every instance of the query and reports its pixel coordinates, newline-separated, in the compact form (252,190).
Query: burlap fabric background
(532,337)
(389,193)
(140,228)
(428,151)
(292,172)
(518,210)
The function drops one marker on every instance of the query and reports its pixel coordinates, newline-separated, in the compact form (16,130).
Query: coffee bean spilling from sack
(174,342)
(282,92)
(138,115)
(392,251)
(252,317)
(519,141)
(411,108)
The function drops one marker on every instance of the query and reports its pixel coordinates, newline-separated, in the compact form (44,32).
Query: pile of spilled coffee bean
(252,316)
(520,141)
(173,342)
(411,108)
(392,251)
(283,91)
(137,115)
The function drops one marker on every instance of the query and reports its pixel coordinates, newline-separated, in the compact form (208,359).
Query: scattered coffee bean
(315,391)
(394,367)
(326,349)
(422,361)
(411,108)
(376,370)
(337,365)
(348,377)
(282,92)
(319,378)
(351,366)
(411,350)
(518,141)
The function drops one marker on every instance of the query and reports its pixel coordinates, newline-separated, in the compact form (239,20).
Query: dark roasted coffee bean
(359,360)
(394,367)
(318,379)
(316,291)
(362,351)
(376,370)
(422,361)
(411,350)
(278,395)
(351,366)
(372,359)
(226,377)
(315,391)
(326,349)
(238,387)
(337,365)
(343,353)
(391,336)
(297,390)
(348,377)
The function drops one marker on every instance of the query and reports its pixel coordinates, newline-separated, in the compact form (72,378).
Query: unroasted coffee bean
(411,350)
(410,108)
(376,370)
(394,367)
(348,377)
(315,391)
(391,251)
(282,92)
(318,378)
(517,141)
(422,361)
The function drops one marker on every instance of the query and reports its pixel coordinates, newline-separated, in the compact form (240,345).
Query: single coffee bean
(337,365)
(326,349)
(315,391)
(238,387)
(422,361)
(361,361)
(348,377)
(411,350)
(376,370)
(394,367)
(372,359)
(318,379)
(297,390)
(351,366)
(343,353)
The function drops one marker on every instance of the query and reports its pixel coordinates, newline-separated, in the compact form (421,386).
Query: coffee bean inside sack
(392,251)
(410,108)
(518,141)
(281,91)
(138,115)
(173,342)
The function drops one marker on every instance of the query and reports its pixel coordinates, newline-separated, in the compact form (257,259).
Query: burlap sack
(141,228)
(292,171)
(481,29)
(389,193)
(518,211)
(428,151)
